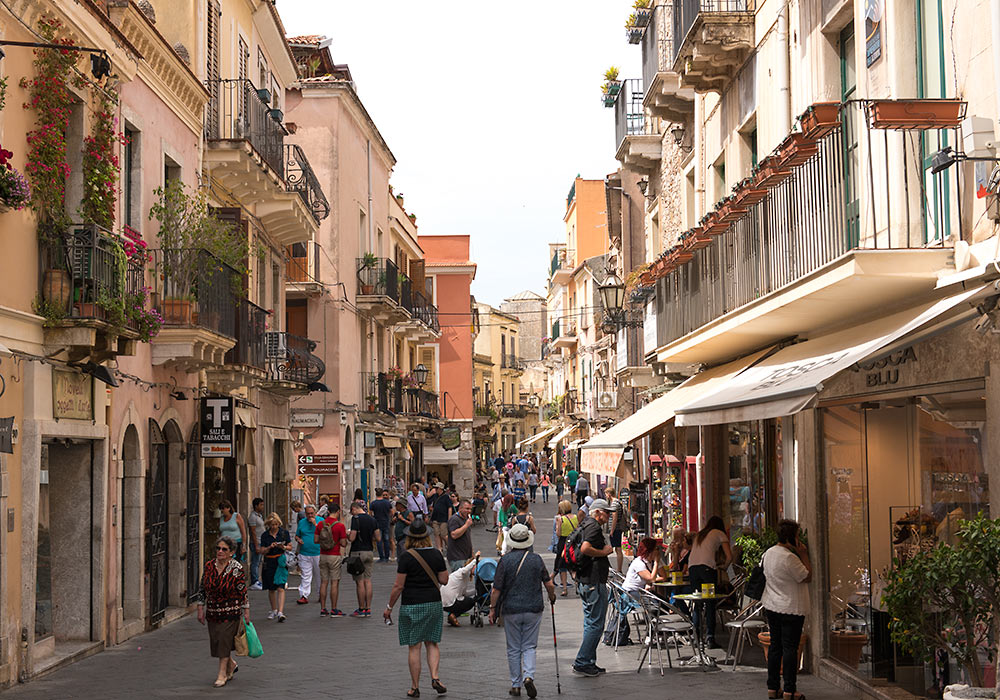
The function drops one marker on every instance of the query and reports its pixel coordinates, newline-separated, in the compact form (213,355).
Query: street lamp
(612,292)
(420,374)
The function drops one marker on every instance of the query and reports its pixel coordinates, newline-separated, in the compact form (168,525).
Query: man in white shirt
(787,571)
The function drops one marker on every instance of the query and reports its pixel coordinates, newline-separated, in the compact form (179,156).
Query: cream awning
(435,454)
(537,437)
(562,434)
(575,445)
(602,453)
(790,379)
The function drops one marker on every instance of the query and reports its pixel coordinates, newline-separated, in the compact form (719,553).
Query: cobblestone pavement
(360,658)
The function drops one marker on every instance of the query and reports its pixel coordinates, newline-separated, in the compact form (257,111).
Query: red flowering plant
(50,97)
(100,162)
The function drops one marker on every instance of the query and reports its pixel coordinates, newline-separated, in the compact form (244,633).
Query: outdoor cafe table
(701,657)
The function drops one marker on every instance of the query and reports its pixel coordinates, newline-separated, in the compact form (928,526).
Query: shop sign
(885,372)
(72,395)
(217,427)
(313,419)
(7,435)
(874,12)
(322,465)
(451,437)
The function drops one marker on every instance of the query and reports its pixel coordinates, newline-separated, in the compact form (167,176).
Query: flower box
(916,114)
(699,239)
(820,119)
(642,16)
(770,173)
(634,35)
(795,150)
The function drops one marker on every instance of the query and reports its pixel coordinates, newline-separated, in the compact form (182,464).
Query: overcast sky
(491,109)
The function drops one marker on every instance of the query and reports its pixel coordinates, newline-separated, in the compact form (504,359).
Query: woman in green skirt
(420,573)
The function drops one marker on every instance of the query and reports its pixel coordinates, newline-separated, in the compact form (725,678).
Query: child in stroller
(486,571)
(478,507)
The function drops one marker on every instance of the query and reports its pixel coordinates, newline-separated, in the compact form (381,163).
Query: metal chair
(741,628)
(662,620)
(621,605)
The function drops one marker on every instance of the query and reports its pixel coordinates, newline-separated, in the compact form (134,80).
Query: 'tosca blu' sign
(885,371)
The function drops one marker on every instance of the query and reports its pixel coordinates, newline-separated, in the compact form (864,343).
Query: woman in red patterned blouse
(222,602)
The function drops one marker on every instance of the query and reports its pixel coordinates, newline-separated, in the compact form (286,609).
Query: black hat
(418,528)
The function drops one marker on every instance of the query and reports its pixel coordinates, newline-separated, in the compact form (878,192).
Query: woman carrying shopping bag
(223,605)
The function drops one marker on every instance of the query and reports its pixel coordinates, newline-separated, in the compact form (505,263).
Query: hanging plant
(100,162)
(50,97)
(14,190)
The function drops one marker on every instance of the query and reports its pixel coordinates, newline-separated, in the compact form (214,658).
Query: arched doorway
(131,500)
(157,539)
(176,506)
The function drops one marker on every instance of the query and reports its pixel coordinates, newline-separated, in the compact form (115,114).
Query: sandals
(436,684)
(794,696)
(413,693)
(219,683)
(452,620)
(774,694)
(232,673)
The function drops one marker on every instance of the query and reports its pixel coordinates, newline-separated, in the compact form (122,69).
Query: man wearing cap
(519,579)
(441,510)
(592,586)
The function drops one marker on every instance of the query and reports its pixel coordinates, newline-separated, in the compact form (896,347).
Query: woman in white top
(703,568)
(646,568)
(785,600)
(458,595)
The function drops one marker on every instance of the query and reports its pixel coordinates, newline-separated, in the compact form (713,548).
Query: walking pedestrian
(459,548)
(571,477)
(231,524)
(519,491)
(222,604)
(545,483)
(618,524)
(441,510)
(363,536)
(305,535)
(255,521)
(566,521)
(416,502)
(331,536)
(702,568)
(420,573)
(560,486)
(517,596)
(787,571)
(273,544)
(592,586)
(401,519)
(523,515)
(382,512)
(532,485)
(582,489)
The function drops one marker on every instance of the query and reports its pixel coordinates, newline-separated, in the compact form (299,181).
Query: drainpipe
(783,120)
(995,27)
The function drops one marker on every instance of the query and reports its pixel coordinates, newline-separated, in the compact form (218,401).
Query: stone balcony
(711,40)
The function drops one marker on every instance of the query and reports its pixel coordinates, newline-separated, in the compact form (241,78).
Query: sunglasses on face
(222,549)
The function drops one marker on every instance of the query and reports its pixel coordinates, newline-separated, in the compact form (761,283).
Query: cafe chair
(663,622)
(622,604)
(743,627)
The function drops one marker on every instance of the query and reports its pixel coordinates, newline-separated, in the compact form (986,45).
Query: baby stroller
(486,571)
(478,508)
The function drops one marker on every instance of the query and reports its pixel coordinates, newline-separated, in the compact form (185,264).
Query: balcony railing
(250,348)
(406,294)
(290,358)
(630,117)
(380,278)
(420,402)
(239,114)
(687,11)
(92,258)
(425,312)
(510,410)
(657,46)
(299,177)
(192,287)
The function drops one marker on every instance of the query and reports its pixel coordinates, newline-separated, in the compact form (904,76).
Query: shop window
(755,497)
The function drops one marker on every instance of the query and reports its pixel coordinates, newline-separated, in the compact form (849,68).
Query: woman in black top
(274,574)
(420,614)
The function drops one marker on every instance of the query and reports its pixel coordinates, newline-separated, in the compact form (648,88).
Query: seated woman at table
(646,569)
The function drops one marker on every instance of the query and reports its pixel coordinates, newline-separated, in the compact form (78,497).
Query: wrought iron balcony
(299,177)
(250,349)
(236,112)
(192,287)
(510,410)
(290,359)
(711,40)
(420,402)
(378,277)
(665,98)
(425,312)
(636,145)
(560,272)
(406,293)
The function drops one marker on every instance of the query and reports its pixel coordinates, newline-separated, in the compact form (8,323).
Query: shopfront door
(156,523)
(193,517)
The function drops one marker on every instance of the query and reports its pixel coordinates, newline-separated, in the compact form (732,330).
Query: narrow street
(348,658)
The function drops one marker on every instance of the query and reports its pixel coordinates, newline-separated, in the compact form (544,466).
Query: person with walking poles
(592,586)
(305,535)
(517,596)
(703,568)
(331,536)
(420,573)
(787,573)
(223,605)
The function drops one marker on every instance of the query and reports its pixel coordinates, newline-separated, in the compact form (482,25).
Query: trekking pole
(555,648)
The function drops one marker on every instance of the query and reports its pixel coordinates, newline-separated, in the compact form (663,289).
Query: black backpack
(756,583)
(573,557)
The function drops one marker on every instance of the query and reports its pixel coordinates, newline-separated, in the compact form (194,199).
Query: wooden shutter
(428,358)
(417,276)
(212,68)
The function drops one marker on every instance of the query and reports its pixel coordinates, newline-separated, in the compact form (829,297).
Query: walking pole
(555,648)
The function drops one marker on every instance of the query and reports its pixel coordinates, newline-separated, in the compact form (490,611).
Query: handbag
(354,565)
(240,642)
(281,573)
(254,647)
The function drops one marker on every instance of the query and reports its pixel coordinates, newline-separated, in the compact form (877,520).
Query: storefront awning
(390,442)
(538,437)
(435,454)
(602,453)
(575,445)
(244,417)
(562,434)
(790,379)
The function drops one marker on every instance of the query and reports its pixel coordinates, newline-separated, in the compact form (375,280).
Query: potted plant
(698,238)
(820,119)
(795,150)
(368,262)
(643,12)
(942,113)
(633,31)
(372,403)
(611,86)
(412,218)
(14,190)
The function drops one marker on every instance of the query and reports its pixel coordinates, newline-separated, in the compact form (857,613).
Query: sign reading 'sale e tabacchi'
(217,427)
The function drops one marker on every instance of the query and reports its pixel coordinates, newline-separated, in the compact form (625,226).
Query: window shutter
(428,358)
(417,275)
(212,69)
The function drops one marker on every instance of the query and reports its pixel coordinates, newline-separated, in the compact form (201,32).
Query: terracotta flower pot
(56,288)
(765,642)
(820,119)
(699,239)
(177,312)
(795,150)
(846,646)
(916,114)
(367,289)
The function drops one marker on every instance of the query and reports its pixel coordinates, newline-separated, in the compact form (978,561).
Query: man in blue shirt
(308,552)
(382,511)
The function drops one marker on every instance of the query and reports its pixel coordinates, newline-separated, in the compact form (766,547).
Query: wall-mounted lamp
(643,185)
(678,133)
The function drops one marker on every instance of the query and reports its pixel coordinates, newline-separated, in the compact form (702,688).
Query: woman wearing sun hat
(517,596)
(420,573)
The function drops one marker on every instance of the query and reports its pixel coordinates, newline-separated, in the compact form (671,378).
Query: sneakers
(257,587)
(529,687)
(368,612)
(324,612)
(336,612)
(271,615)
(281,617)
(302,600)
(358,612)
(589,671)
(600,669)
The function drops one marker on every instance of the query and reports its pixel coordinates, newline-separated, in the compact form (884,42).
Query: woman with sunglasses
(223,604)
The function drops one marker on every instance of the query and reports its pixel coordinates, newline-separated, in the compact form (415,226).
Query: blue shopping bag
(254,648)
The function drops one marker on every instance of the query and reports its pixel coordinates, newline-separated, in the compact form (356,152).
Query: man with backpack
(586,554)
(331,536)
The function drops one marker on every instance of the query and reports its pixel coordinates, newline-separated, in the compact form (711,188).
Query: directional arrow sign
(319,464)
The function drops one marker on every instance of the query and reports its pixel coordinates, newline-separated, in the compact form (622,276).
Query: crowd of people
(427,531)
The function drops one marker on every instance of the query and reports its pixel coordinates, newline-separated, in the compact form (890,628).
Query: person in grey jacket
(517,595)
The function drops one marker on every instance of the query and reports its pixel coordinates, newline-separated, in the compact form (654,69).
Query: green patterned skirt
(420,623)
